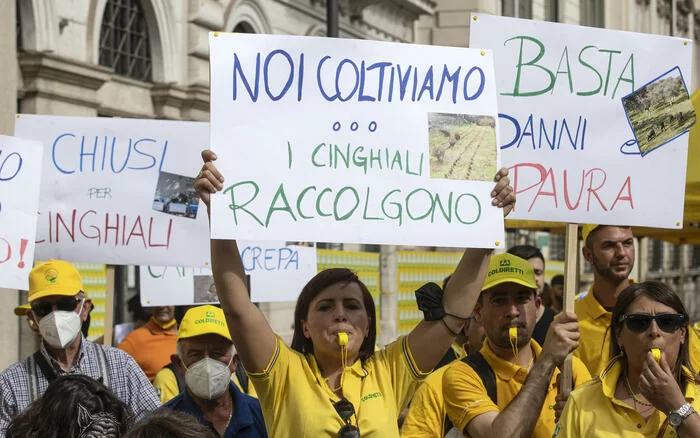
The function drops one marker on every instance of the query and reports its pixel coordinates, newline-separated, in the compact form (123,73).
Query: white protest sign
(277,272)
(20,176)
(119,191)
(324,139)
(593,122)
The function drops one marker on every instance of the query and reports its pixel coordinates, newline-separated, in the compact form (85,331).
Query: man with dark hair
(610,250)
(545,315)
(557,289)
(507,388)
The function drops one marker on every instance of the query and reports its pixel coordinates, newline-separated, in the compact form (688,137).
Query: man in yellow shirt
(426,415)
(610,250)
(513,393)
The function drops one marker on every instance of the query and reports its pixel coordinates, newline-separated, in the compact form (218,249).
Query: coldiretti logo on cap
(210,319)
(505,262)
(209,315)
(506,269)
(50,275)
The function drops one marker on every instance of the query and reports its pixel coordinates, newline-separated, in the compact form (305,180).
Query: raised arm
(430,339)
(251,334)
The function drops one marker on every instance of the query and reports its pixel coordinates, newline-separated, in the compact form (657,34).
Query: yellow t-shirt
(296,400)
(592,411)
(426,416)
(166,385)
(466,397)
(594,346)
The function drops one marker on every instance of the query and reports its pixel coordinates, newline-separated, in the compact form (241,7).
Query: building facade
(150,59)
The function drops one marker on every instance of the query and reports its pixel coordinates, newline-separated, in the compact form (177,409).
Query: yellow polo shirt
(593,324)
(592,411)
(594,346)
(466,397)
(166,385)
(297,402)
(426,416)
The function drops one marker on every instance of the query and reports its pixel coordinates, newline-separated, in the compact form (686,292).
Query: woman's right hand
(209,179)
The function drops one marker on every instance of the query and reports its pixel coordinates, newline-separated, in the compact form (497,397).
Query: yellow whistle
(342,338)
(513,333)
(656,353)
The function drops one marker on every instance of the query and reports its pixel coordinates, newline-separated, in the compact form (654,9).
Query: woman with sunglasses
(331,382)
(649,388)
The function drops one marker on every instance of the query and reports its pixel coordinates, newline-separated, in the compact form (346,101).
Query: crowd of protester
(485,361)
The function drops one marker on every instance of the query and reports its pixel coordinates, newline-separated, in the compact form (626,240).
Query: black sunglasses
(640,322)
(44,307)
(346,410)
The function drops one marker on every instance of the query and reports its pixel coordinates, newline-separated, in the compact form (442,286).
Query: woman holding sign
(331,382)
(649,388)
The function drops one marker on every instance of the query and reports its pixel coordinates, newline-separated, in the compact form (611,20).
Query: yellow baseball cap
(586,230)
(55,277)
(507,268)
(203,320)
(22,310)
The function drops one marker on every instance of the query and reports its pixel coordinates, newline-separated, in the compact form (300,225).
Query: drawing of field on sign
(462,146)
(175,195)
(659,111)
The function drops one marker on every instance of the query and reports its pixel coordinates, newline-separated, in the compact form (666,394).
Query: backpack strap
(483,369)
(46,369)
(242,377)
(32,379)
(180,379)
(102,364)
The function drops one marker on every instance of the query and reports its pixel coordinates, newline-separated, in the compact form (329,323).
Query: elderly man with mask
(58,308)
(207,358)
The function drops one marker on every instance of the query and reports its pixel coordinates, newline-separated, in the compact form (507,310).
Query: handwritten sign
(20,175)
(119,191)
(277,272)
(353,141)
(594,122)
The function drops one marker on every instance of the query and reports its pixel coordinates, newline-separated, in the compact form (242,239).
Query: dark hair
(73,406)
(167,423)
(526,252)
(659,292)
(589,239)
(557,279)
(315,286)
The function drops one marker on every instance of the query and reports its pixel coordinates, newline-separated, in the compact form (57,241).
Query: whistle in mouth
(513,333)
(656,353)
(342,338)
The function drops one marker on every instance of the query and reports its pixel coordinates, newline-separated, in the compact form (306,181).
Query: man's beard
(609,274)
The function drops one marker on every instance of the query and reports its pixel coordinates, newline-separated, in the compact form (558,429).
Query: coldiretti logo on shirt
(371,396)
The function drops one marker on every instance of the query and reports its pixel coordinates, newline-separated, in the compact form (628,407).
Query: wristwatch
(676,418)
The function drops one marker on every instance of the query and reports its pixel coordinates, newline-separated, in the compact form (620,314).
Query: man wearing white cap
(58,307)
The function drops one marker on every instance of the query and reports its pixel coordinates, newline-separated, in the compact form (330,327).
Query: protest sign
(353,141)
(20,175)
(119,191)
(593,122)
(277,272)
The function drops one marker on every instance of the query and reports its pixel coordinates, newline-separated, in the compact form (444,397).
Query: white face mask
(60,327)
(208,378)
